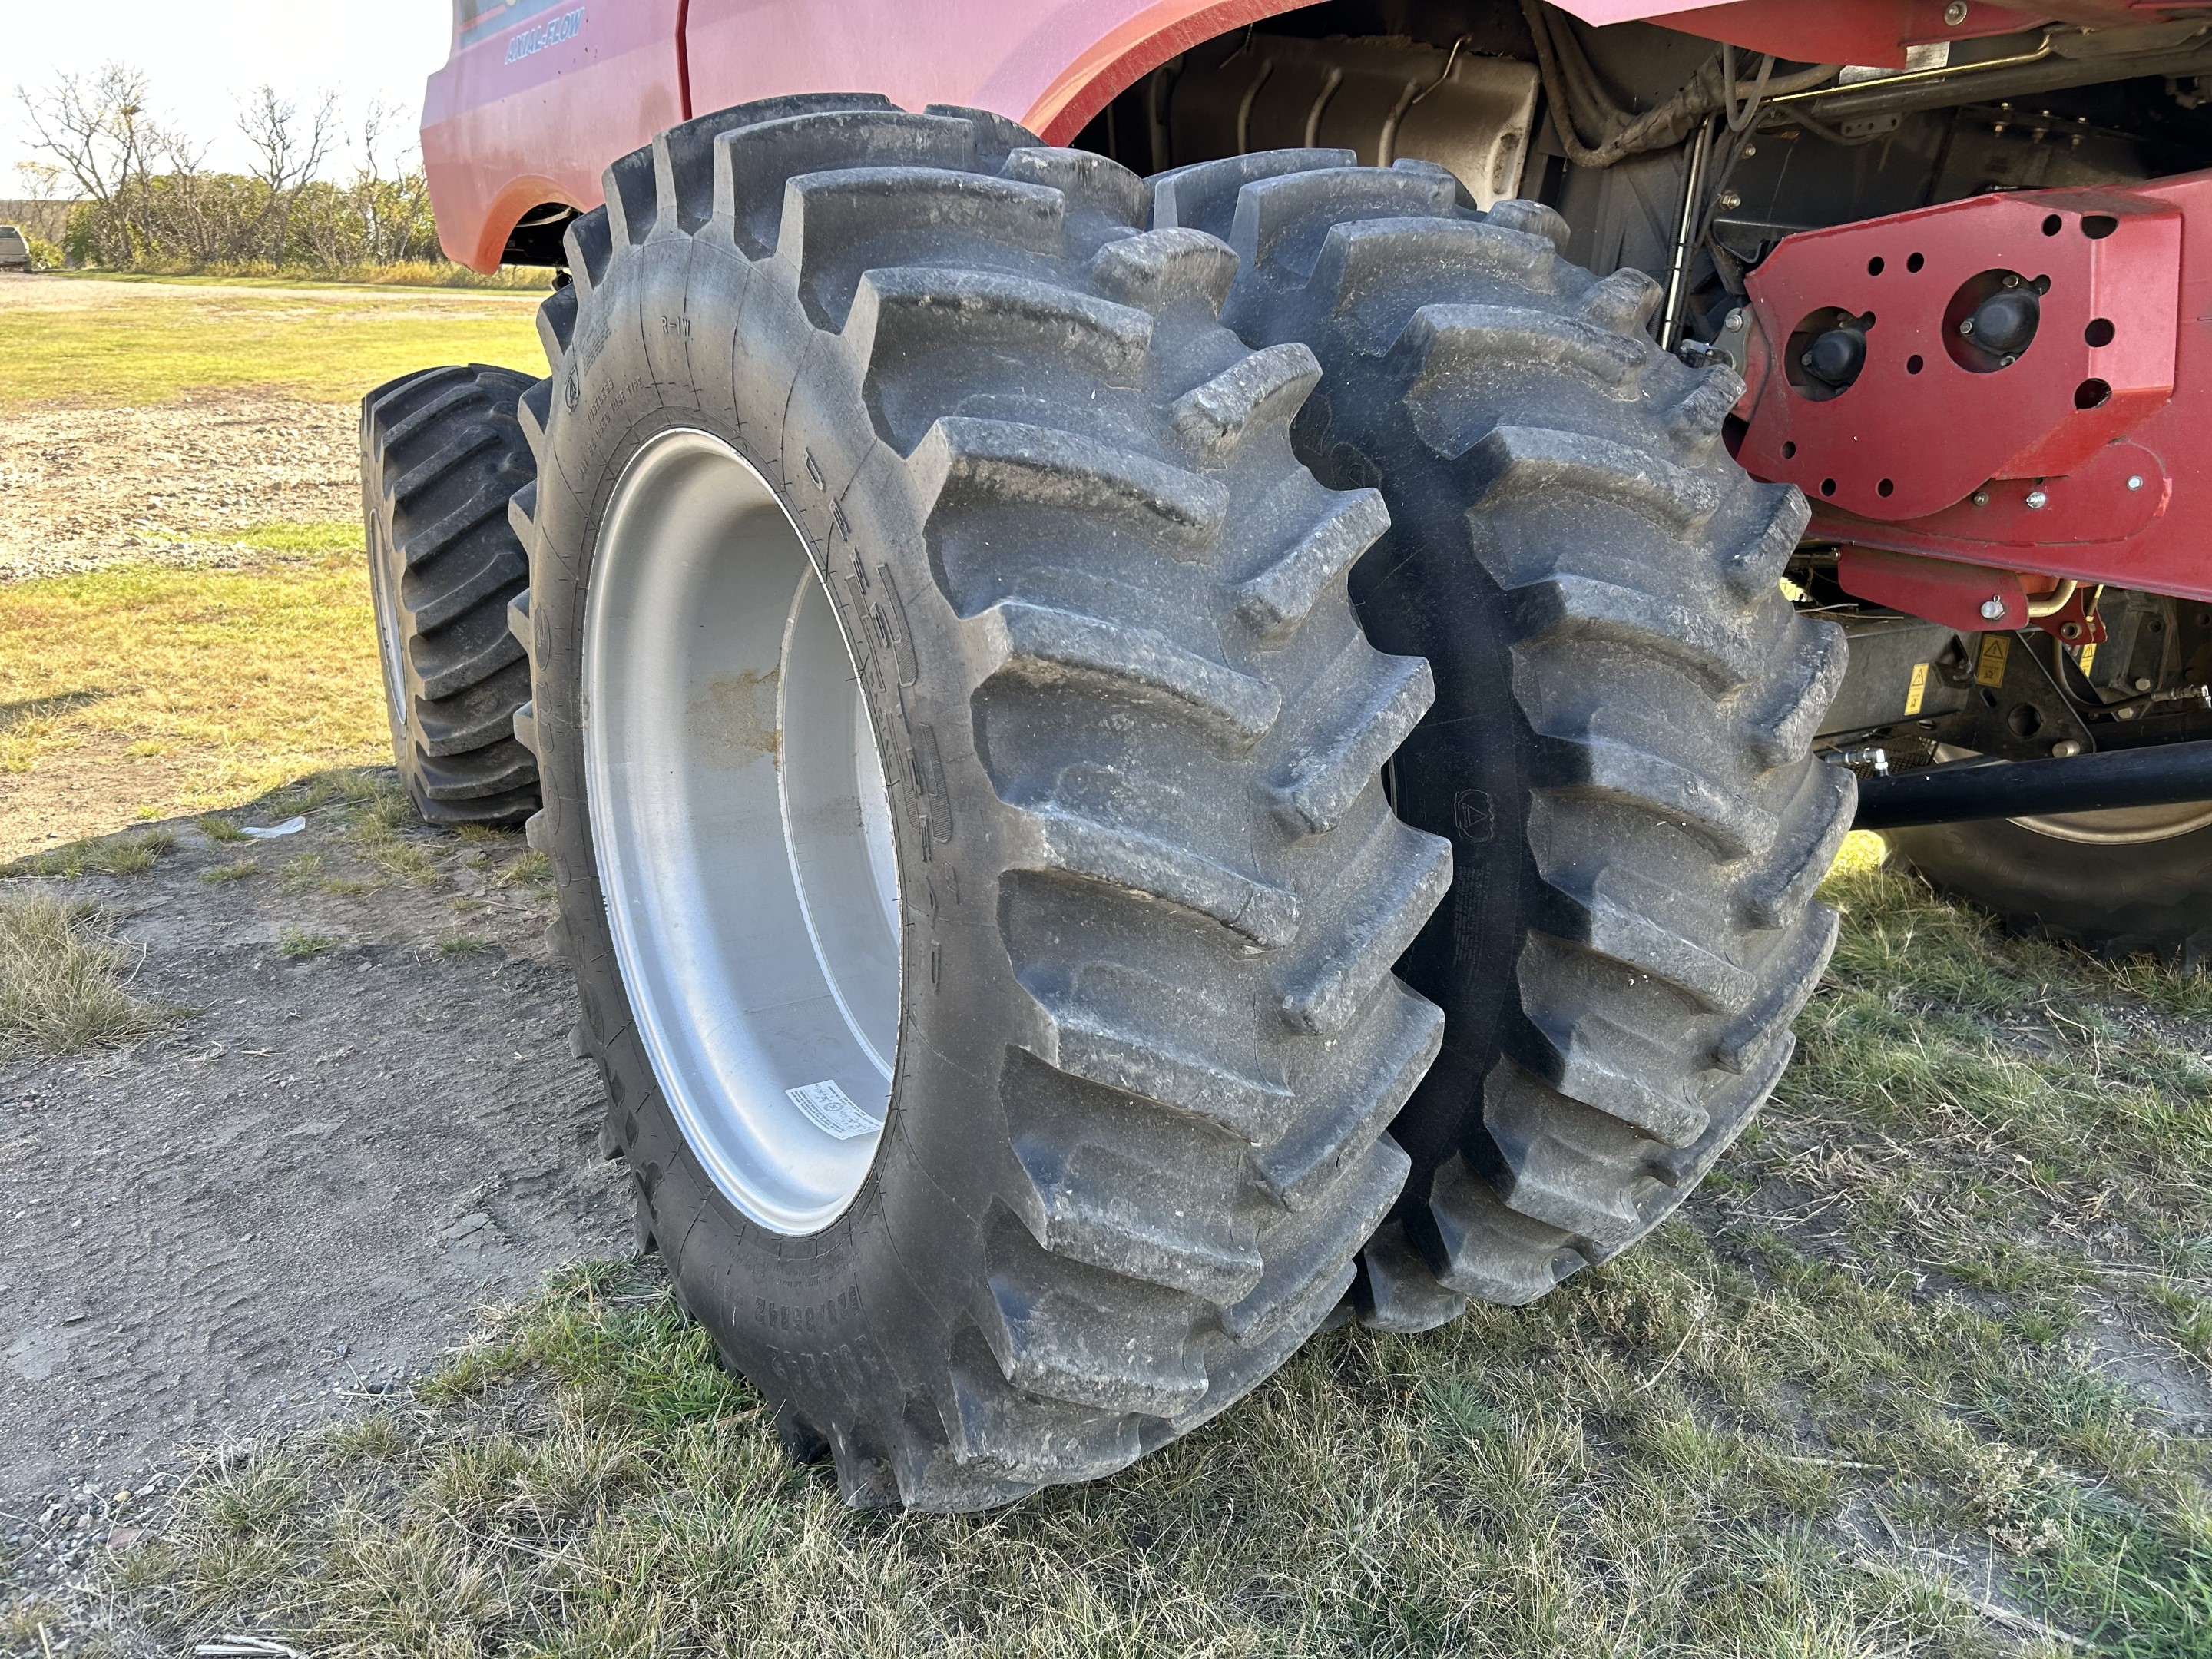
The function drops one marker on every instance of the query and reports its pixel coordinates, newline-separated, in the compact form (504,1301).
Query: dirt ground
(308,1186)
(174,484)
(161,441)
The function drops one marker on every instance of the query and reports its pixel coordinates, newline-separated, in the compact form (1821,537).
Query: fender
(537,96)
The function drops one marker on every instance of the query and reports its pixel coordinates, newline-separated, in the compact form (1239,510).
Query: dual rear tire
(963,768)
(441,456)
(961,772)
(2127,883)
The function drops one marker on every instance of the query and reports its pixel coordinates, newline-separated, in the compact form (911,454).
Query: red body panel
(2009,468)
(1051,67)
(515,119)
(1863,31)
(506,128)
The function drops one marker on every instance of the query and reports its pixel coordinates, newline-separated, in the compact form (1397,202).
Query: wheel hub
(742,832)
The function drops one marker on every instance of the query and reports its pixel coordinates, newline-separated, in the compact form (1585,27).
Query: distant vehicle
(14,250)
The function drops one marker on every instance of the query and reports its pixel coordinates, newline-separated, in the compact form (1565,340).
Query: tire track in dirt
(309,1185)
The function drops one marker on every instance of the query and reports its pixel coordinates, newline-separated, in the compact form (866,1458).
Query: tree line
(145,199)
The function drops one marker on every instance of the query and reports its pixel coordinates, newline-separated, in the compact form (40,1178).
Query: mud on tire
(1149,888)
(1618,749)
(440,455)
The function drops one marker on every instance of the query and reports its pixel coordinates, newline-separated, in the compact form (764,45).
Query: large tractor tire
(2132,882)
(1619,751)
(440,455)
(961,768)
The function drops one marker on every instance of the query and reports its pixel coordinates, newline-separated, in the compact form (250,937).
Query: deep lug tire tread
(1660,691)
(442,454)
(1205,1041)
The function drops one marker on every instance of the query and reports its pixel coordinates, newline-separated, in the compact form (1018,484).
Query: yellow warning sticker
(1916,693)
(2088,657)
(1991,669)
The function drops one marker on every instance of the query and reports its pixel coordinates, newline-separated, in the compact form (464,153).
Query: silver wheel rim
(2119,826)
(2122,826)
(386,602)
(742,832)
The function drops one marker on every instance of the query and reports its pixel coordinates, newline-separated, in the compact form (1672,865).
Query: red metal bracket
(1971,598)
(2084,458)
(1929,418)
(1966,597)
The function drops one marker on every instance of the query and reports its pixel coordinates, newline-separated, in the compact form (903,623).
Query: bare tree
(103,137)
(186,198)
(286,157)
(395,206)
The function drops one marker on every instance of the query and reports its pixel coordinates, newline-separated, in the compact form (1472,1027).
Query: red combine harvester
(1187,668)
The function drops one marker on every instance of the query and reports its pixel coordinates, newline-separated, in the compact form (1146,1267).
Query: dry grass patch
(1923,1372)
(106,855)
(164,692)
(299,942)
(65,979)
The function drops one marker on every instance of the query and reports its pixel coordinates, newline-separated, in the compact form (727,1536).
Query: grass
(375,827)
(297,536)
(171,692)
(109,855)
(167,338)
(65,979)
(406,273)
(299,943)
(1890,1386)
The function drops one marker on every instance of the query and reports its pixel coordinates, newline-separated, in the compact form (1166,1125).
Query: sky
(203,56)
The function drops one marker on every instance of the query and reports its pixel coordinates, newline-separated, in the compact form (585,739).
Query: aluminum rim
(2124,826)
(2118,826)
(742,832)
(385,594)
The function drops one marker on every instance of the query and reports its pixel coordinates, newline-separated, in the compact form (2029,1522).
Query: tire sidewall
(2143,896)
(829,1321)
(385,570)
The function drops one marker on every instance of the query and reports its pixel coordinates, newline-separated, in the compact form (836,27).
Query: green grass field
(110,344)
(1925,1368)
(140,693)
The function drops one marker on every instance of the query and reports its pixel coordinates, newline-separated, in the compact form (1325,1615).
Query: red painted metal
(1869,32)
(2075,622)
(515,119)
(2005,468)
(1051,66)
(1952,594)
(506,127)
(1955,594)
(1894,445)
(1864,31)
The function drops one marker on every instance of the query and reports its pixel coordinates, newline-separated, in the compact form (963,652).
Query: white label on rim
(833,1111)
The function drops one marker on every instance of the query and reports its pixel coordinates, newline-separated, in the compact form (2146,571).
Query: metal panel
(536,98)
(2083,458)
(1383,99)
